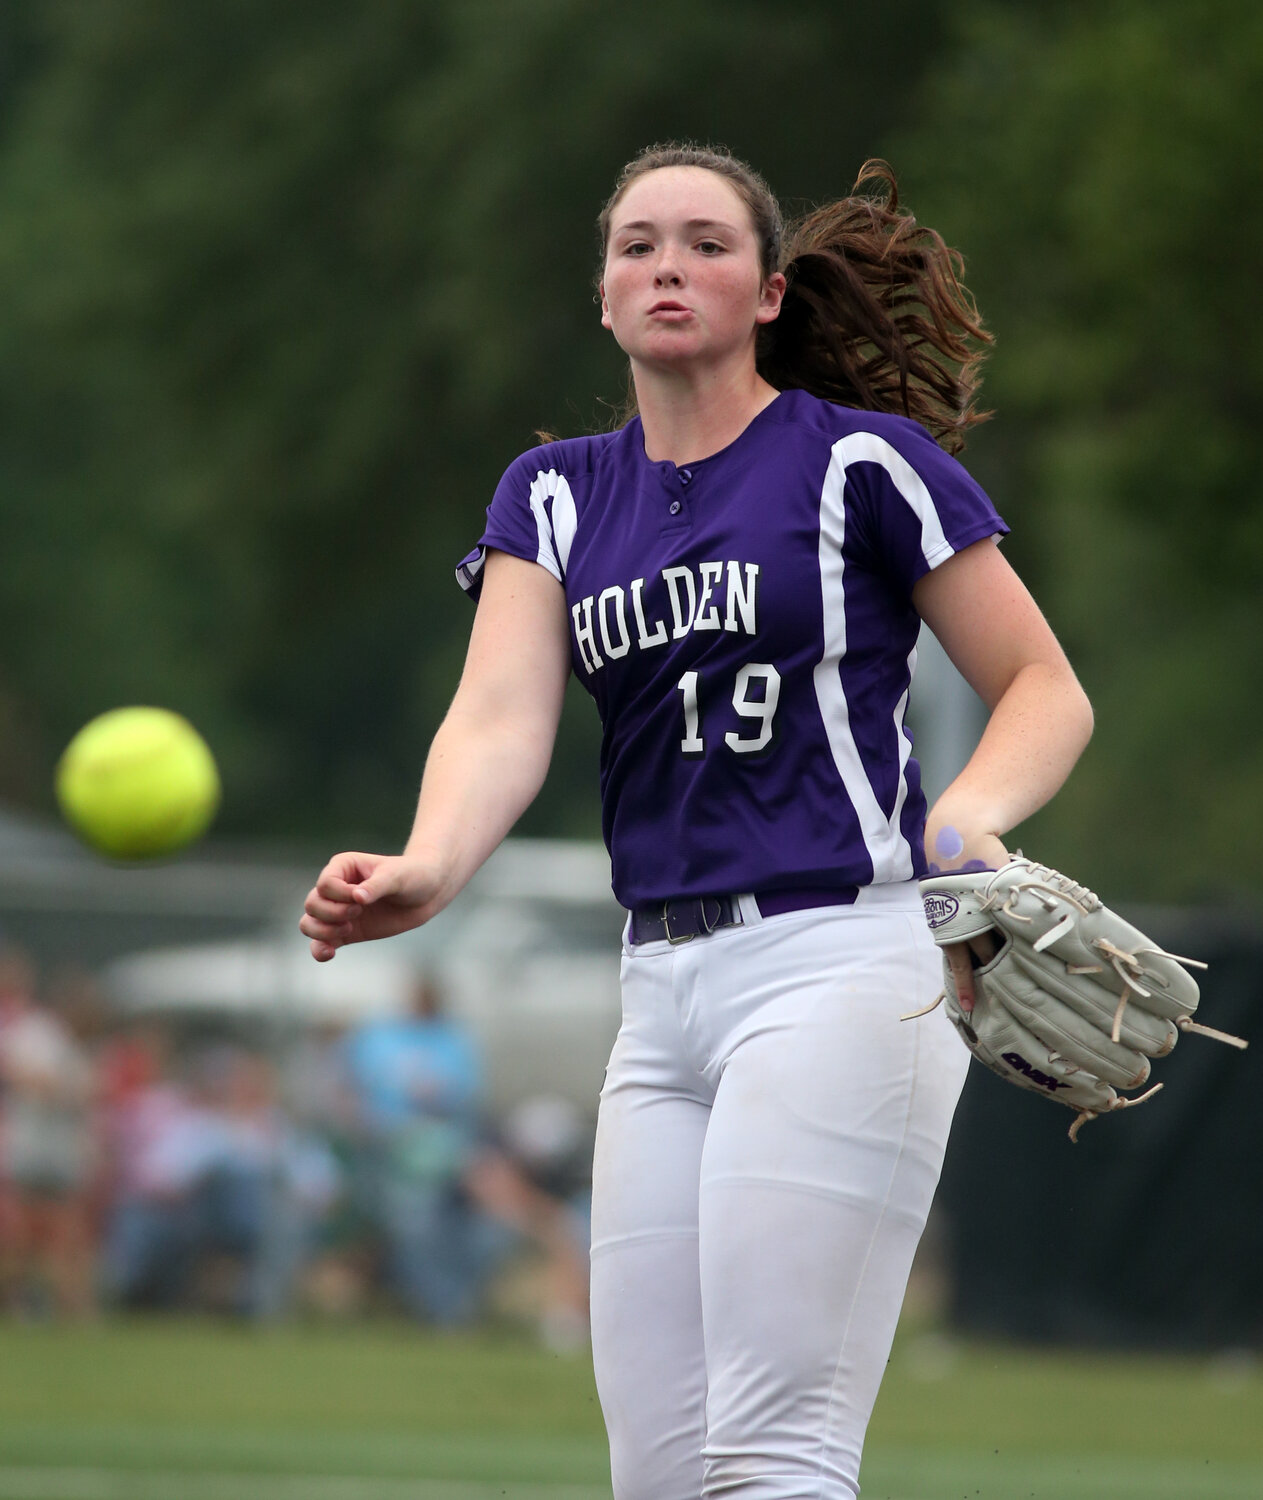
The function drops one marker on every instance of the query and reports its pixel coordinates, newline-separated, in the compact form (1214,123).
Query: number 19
(762,709)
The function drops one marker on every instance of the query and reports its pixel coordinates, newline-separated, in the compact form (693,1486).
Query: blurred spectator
(146,1252)
(263,1191)
(317,1092)
(74,996)
(217,1194)
(46,1151)
(451,1200)
(536,1178)
(551,1141)
(315,1086)
(416,1084)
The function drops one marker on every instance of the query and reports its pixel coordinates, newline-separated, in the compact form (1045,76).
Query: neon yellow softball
(136,783)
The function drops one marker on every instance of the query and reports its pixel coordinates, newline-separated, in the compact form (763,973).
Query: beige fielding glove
(1075,1001)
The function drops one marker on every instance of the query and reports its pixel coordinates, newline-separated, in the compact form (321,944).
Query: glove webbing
(1126,965)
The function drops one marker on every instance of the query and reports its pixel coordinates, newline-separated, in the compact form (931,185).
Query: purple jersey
(745,626)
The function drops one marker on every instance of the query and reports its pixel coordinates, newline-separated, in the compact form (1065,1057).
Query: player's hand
(948,850)
(962,959)
(358,897)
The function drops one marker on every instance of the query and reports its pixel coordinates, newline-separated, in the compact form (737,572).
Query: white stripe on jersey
(889,850)
(905,749)
(555,537)
(564,521)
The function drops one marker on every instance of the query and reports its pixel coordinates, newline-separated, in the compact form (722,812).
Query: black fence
(1149,1231)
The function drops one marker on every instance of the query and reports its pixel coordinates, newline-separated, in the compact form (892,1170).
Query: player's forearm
(1036,733)
(482,773)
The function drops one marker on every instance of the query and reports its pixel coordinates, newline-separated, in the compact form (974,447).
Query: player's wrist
(958,838)
(434,873)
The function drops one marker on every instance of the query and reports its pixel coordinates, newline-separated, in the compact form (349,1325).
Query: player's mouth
(670,312)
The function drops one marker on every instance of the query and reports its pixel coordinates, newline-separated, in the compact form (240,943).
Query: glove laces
(1048,884)
(1121,1101)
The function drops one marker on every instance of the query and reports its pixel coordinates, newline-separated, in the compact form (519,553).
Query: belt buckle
(666,926)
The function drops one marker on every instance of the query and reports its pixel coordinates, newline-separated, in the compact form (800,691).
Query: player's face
(683,281)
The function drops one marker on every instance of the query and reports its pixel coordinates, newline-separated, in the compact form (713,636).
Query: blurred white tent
(527,956)
(261,977)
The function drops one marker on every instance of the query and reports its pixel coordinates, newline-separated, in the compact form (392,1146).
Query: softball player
(738,576)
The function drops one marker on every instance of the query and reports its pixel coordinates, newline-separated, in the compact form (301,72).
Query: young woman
(738,576)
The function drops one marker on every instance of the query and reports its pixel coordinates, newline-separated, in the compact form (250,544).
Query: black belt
(694,916)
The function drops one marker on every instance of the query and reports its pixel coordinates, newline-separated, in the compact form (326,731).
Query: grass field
(197,1411)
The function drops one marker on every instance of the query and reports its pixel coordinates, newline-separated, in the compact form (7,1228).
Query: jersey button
(674,507)
(685,475)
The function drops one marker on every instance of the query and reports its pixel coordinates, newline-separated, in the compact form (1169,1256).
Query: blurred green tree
(1101,167)
(294,284)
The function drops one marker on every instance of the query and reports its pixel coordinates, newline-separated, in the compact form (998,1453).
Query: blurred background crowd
(144,1165)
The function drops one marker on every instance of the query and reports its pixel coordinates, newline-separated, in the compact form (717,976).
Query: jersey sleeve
(531,516)
(913,505)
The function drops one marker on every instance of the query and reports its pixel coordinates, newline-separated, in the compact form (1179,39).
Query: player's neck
(686,415)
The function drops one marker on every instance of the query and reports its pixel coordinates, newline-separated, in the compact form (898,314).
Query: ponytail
(875,315)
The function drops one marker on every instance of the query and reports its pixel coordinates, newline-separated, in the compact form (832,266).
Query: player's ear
(770,298)
(605,307)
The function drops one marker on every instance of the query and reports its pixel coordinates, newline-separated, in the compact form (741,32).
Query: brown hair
(875,315)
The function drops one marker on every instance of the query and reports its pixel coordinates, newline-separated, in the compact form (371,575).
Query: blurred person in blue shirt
(417,1084)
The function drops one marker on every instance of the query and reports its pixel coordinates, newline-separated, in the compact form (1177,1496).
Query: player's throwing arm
(487,762)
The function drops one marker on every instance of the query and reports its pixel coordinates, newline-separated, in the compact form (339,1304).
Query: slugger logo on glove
(1074,1001)
(939,908)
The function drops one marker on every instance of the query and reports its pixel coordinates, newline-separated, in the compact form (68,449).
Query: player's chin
(669,344)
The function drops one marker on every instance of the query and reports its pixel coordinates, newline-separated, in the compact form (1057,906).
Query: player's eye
(710,247)
(636,247)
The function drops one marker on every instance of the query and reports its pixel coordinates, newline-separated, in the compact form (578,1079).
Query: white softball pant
(769,1141)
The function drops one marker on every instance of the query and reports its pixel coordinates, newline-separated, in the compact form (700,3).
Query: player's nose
(668,271)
